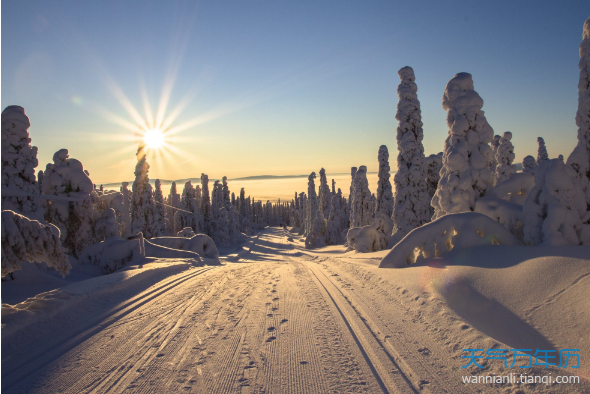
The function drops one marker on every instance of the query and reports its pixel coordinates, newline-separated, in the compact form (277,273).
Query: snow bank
(28,240)
(186,232)
(43,306)
(514,189)
(113,253)
(461,230)
(201,244)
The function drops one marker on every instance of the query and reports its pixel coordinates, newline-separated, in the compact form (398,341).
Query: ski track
(275,322)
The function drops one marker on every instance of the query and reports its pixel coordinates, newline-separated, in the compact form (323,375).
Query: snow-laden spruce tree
(555,208)
(384,203)
(353,171)
(205,204)
(433,164)
(188,204)
(579,159)
(360,210)
(173,202)
(66,177)
(542,155)
(28,240)
(504,158)
(336,224)
(529,164)
(227,201)
(142,200)
(324,194)
(495,144)
(466,174)
(312,203)
(160,225)
(126,212)
(412,201)
(19,160)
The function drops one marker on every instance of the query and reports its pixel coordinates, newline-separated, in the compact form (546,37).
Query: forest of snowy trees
(59,212)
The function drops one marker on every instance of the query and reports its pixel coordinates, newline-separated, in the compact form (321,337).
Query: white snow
(460,230)
(466,174)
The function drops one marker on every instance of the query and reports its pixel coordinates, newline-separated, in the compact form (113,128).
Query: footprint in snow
(270,339)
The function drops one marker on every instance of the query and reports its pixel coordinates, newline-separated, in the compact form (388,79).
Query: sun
(154,138)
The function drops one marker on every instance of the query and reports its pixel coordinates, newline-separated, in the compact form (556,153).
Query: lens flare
(154,139)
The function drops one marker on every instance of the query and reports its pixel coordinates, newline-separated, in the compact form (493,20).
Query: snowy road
(282,320)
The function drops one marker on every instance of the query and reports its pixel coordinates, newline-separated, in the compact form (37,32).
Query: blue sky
(283,87)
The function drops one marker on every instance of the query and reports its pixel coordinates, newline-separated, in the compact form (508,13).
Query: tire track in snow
(363,338)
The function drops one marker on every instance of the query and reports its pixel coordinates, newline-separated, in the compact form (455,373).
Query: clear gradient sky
(277,87)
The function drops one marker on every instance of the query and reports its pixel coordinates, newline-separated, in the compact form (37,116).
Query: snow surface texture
(25,240)
(113,253)
(555,209)
(504,158)
(66,178)
(142,202)
(542,155)
(361,213)
(529,164)
(201,244)
(460,230)
(580,157)
(467,173)
(19,160)
(384,203)
(412,201)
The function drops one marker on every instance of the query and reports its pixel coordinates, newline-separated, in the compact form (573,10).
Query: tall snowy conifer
(504,158)
(312,203)
(384,202)
(142,199)
(412,201)
(324,194)
(205,203)
(19,160)
(160,211)
(360,210)
(542,155)
(579,159)
(466,174)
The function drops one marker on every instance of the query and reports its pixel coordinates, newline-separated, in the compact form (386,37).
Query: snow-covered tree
(495,144)
(579,159)
(504,158)
(360,211)
(142,200)
(324,194)
(336,225)
(126,213)
(529,164)
(159,213)
(542,155)
(19,160)
(555,208)
(205,204)
(466,174)
(28,240)
(353,171)
(75,219)
(433,164)
(173,202)
(316,236)
(186,217)
(312,203)
(384,203)
(412,201)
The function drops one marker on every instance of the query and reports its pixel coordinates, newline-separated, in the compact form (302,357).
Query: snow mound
(28,240)
(201,244)
(371,238)
(113,253)
(186,232)
(461,230)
